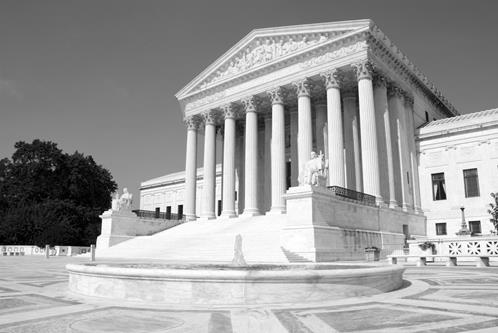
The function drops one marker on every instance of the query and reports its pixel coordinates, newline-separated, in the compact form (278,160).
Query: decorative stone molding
(276,95)
(192,123)
(333,55)
(249,104)
(205,100)
(363,69)
(210,117)
(303,87)
(331,78)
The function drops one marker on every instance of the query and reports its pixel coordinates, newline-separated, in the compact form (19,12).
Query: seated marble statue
(313,170)
(124,202)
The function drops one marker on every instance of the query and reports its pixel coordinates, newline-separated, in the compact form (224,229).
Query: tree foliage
(494,210)
(51,197)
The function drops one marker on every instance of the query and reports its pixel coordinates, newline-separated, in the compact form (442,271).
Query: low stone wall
(323,227)
(457,246)
(231,286)
(119,226)
(32,250)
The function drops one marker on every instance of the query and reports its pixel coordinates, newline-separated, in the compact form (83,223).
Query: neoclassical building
(396,159)
(340,88)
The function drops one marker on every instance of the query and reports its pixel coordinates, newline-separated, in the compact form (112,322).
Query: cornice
(383,47)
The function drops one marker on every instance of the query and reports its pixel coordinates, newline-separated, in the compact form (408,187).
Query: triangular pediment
(262,47)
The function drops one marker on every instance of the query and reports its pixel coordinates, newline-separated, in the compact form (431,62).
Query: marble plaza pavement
(34,298)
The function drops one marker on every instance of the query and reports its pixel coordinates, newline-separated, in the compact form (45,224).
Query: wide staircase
(208,241)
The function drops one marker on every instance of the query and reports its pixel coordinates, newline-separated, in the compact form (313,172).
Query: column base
(206,217)
(276,211)
(189,218)
(228,214)
(379,201)
(251,212)
(419,211)
(393,204)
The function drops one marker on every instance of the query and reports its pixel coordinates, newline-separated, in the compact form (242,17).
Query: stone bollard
(47,251)
(92,252)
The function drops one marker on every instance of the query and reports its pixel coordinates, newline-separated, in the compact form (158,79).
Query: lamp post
(463,229)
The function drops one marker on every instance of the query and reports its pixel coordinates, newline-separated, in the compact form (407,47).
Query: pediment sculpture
(264,50)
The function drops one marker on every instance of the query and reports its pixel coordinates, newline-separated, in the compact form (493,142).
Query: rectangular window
(475,227)
(440,228)
(426,116)
(180,212)
(158,211)
(471,182)
(438,186)
(168,213)
(220,207)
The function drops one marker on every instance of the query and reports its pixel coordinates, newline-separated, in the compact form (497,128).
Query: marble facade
(344,88)
(449,147)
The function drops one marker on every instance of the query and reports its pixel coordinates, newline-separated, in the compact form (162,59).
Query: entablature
(281,60)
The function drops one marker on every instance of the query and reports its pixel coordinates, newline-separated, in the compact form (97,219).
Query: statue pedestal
(117,227)
(322,226)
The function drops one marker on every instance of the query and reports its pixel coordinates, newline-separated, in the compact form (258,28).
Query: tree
(50,197)
(494,210)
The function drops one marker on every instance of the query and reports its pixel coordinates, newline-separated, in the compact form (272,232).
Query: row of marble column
(369,102)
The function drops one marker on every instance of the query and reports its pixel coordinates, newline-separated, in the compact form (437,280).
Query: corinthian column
(368,129)
(209,183)
(334,129)
(277,152)
(396,107)
(304,124)
(191,168)
(229,163)
(382,108)
(251,158)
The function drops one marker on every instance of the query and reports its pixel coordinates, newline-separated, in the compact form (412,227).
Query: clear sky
(100,76)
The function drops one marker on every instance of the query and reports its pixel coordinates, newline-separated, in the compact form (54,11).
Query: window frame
(478,223)
(445,228)
(435,190)
(465,178)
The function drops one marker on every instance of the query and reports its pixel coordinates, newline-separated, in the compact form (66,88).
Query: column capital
(303,87)
(192,122)
(229,111)
(210,117)
(395,91)
(363,69)
(331,78)
(276,95)
(380,80)
(250,104)
(408,100)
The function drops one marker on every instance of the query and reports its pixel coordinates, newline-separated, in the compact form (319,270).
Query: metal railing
(363,198)
(150,214)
